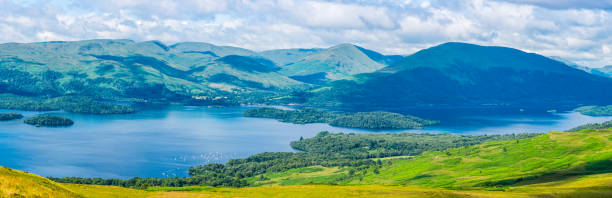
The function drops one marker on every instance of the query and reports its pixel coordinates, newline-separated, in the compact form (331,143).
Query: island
(10,116)
(74,104)
(595,110)
(363,120)
(49,121)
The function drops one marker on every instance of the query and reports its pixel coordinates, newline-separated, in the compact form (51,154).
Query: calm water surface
(166,142)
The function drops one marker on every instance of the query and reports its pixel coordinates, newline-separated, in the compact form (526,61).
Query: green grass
(548,157)
(301,176)
(183,189)
(21,184)
(14,183)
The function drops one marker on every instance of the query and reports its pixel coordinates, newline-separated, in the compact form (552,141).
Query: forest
(75,104)
(49,121)
(363,120)
(10,116)
(355,151)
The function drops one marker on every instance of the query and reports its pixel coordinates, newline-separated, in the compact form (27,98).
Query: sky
(576,30)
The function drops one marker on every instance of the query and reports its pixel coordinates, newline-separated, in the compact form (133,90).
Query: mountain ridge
(451,73)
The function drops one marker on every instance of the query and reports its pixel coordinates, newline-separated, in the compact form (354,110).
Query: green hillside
(554,156)
(15,183)
(284,57)
(467,74)
(334,63)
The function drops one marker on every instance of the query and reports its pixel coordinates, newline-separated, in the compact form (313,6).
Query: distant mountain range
(605,71)
(342,75)
(151,69)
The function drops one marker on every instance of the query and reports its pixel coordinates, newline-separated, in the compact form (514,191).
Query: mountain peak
(333,63)
(342,45)
(464,56)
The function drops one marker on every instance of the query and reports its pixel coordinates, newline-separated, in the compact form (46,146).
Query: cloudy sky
(577,30)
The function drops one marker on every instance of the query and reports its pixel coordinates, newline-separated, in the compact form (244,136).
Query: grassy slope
(302,176)
(300,191)
(15,183)
(549,157)
(590,186)
(337,62)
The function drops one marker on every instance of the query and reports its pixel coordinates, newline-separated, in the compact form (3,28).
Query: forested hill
(467,74)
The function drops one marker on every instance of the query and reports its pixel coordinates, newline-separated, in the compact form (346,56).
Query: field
(553,156)
(589,186)
(15,183)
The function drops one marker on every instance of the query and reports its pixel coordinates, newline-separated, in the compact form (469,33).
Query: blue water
(166,142)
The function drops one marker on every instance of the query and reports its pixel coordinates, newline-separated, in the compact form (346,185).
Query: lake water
(166,142)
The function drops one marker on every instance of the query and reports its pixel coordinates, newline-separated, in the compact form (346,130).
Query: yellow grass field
(15,183)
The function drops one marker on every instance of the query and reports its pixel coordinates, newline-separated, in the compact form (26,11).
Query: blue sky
(577,30)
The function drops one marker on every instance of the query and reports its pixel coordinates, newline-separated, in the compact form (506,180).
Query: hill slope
(466,74)
(20,184)
(604,71)
(15,183)
(335,63)
(554,156)
(288,56)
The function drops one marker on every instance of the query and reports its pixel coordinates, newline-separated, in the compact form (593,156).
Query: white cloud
(567,4)
(578,32)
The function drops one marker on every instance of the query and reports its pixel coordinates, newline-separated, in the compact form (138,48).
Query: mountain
(467,74)
(335,63)
(288,56)
(128,69)
(603,71)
